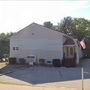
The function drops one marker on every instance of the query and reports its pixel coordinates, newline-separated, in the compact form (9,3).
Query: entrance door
(69,56)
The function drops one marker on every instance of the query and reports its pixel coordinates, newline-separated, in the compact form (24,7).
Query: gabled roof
(38,25)
(69,42)
(34,25)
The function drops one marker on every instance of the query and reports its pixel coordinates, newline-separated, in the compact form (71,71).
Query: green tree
(4,44)
(83,31)
(77,27)
(67,26)
(82,28)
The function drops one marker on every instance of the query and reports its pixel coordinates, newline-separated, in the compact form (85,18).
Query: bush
(12,60)
(22,61)
(41,61)
(56,62)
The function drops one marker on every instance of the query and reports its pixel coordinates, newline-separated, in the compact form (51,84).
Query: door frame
(69,51)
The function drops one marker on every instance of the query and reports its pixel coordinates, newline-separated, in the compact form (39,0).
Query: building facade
(43,43)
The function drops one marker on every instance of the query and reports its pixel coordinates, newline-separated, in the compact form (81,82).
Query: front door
(69,56)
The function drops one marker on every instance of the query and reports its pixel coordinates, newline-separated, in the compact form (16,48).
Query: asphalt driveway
(46,76)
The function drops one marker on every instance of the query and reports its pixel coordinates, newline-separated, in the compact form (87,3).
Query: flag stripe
(82,43)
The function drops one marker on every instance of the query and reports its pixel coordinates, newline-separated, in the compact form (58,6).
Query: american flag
(82,43)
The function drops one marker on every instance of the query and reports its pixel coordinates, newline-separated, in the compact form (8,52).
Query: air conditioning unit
(31,59)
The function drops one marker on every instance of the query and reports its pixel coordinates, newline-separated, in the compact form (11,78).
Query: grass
(2,64)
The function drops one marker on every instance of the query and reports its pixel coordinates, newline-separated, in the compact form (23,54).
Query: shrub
(22,61)
(56,62)
(41,61)
(12,60)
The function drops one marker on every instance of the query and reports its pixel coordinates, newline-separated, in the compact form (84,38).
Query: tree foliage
(78,28)
(4,44)
(82,28)
(67,26)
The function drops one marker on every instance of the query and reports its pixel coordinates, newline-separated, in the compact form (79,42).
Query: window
(67,51)
(30,56)
(71,51)
(15,48)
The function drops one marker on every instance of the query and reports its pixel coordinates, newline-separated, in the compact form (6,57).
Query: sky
(15,15)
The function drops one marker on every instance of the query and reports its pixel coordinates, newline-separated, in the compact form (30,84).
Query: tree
(67,26)
(48,24)
(4,44)
(83,31)
(82,28)
(77,27)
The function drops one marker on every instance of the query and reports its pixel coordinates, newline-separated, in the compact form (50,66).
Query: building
(41,43)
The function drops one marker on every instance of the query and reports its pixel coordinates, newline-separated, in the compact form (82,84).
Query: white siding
(39,41)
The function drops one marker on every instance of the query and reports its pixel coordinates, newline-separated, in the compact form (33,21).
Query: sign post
(82,74)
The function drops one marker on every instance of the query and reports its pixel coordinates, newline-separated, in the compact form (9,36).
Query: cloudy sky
(15,15)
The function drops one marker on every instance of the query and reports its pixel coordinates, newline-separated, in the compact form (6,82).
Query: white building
(43,43)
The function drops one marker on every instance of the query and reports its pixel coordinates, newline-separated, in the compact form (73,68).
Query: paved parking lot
(41,76)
